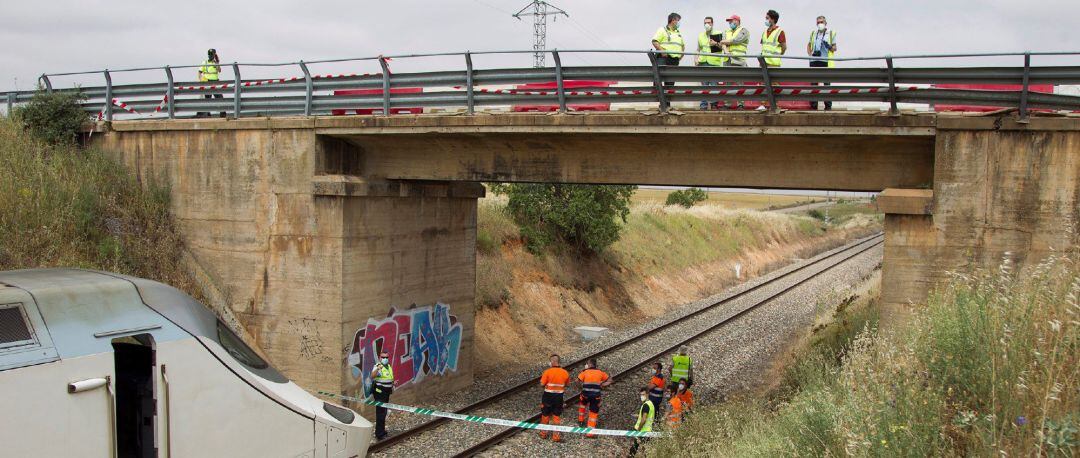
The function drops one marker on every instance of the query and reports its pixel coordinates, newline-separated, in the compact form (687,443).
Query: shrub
(54,117)
(586,217)
(686,197)
(816,214)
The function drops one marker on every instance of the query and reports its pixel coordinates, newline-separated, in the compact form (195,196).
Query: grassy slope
(988,367)
(66,207)
(656,239)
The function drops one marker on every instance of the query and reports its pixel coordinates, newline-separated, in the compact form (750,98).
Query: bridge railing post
(170,93)
(385,86)
(307,88)
(10,103)
(108,96)
(559,81)
(893,110)
(236,90)
(470,101)
(773,108)
(45,82)
(658,82)
(1024,89)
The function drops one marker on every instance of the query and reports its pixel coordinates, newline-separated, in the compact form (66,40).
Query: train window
(340,413)
(238,349)
(14,327)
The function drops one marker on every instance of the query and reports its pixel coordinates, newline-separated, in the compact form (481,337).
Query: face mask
(682,387)
(676,26)
(644,398)
(708,27)
(385,360)
(821,26)
(732,25)
(768,23)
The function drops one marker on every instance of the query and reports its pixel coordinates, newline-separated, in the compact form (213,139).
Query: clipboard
(717,49)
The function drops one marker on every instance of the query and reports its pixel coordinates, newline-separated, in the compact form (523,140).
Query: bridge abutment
(320,268)
(1001,189)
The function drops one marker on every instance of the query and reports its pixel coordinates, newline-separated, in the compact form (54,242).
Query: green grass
(989,367)
(61,206)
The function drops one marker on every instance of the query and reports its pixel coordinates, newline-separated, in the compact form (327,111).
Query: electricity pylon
(540,11)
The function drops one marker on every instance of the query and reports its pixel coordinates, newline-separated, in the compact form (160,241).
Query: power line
(540,12)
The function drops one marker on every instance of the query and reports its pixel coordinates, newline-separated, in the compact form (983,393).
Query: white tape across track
(495,421)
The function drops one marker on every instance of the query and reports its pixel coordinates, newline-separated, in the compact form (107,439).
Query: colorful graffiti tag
(422,341)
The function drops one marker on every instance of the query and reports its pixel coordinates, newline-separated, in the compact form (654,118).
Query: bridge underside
(793,151)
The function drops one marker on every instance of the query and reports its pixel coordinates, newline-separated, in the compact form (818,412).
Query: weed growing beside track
(988,367)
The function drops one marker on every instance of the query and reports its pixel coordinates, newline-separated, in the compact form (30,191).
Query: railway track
(698,323)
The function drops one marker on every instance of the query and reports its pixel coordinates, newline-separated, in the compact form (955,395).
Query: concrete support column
(1001,188)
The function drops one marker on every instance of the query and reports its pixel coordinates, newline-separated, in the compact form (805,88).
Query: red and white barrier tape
(273,81)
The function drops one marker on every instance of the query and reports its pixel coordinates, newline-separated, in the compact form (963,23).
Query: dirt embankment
(667,257)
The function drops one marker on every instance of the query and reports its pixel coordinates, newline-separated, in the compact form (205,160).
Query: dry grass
(989,367)
(67,207)
(731,200)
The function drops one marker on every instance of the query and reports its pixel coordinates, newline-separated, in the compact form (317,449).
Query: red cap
(735,17)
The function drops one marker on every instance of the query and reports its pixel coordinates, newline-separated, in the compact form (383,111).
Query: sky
(63,36)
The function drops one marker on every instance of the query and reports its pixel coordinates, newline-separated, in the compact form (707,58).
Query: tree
(587,217)
(686,197)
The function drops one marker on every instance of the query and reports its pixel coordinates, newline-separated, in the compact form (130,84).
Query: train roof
(50,314)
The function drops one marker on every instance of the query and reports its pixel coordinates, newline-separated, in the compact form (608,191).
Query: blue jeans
(705,103)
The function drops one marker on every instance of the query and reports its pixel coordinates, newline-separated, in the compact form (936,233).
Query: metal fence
(471,88)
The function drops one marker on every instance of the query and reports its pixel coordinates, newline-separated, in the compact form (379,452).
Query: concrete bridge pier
(316,265)
(1001,189)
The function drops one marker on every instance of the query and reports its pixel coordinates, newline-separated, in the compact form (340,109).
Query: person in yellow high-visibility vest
(736,39)
(705,43)
(670,40)
(210,72)
(822,44)
(773,44)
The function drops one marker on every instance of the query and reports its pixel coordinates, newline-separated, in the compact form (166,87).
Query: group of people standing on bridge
(592,381)
(733,43)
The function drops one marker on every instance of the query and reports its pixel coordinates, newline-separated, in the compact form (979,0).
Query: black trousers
(206,114)
(668,60)
(382,395)
(551,404)
(820,64)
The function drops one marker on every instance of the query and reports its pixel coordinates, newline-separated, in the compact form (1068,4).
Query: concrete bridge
(321,234)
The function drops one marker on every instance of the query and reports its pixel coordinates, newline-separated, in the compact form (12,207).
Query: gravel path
(759,335)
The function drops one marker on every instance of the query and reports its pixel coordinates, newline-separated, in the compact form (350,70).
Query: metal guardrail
(313,94)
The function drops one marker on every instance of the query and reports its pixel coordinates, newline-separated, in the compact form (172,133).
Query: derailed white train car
(99,364)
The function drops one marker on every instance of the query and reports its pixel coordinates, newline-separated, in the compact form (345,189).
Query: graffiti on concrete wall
(422,342)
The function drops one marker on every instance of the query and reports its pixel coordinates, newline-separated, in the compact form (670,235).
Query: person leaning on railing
(735,40)
(210,71)
(669,40)
(822,44)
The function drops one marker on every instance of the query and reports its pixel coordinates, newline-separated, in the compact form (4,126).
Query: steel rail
(507,433)
(532,383)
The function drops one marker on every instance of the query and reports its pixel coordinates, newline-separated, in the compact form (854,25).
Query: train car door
(135,404)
